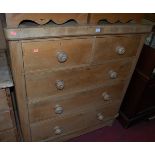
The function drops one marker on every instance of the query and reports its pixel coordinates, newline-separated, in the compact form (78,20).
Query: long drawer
(115,47)
(48,54)
(72,123)
(43,84)
(59,106)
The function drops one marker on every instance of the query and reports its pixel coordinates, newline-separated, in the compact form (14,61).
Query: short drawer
(115,47)
(5,120)
(70,124)
(43,84)
(3,100)
(60,106)
(48,54)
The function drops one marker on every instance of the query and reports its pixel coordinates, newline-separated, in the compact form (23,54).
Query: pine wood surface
(45,108)
(91,55)
(72,123)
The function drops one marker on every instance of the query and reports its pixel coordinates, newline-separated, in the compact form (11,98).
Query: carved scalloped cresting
(14,20)
(31,23)
(115,18)
(105,21)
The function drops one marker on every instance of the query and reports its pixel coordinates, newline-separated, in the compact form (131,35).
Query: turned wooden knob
(113,74)
(116,115)
(120,50)
(100,116)
(60,84)
(106,96)
(62,56)
(58,109)
(57,130)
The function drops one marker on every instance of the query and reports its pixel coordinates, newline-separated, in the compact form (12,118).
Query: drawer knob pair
(62,57)
(106,96)
(57,130)
(112,74)
(60,84)
(100,116)
(120,50)
(58,109)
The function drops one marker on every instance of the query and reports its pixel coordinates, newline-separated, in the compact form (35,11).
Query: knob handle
(116,115)
(100,116)
(57,130)
(60,84)
(58,109)
(106,96)
(120,50)
(62,57)
(113,74)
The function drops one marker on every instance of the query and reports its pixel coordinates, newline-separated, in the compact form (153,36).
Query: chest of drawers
(71,79)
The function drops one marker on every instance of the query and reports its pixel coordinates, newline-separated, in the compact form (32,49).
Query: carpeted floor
(141,132)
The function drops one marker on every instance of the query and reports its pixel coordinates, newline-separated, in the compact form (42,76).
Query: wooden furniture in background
(8,130)
(139,101)
(13,20)
(71,79)
(2,38)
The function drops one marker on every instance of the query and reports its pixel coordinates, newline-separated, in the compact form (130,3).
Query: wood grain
(105,47)
(14,19)
(17,70)
(45,108)
(43,54)
(43,84)
(69,31)
(72,123)
(91,56)
(69,136)
(115,17)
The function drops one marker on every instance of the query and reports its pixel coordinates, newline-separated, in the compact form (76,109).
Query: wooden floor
(141,132)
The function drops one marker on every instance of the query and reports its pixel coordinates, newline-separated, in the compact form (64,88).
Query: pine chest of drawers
(71,79)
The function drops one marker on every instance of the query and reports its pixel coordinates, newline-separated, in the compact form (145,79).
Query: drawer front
(59,53)
(3,100)
(60,106)
(8,136)
(40,85)
(100,114)
(5,121)
(67,125)
(112,48)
